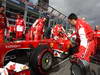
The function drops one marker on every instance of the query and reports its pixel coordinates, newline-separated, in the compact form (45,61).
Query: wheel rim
(46,61)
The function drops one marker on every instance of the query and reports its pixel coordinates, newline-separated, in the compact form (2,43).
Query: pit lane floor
(63,68)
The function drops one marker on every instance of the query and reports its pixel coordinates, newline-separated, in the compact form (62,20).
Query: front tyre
(46,61)
(41,59)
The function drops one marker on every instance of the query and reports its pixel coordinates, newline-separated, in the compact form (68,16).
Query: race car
(37,54)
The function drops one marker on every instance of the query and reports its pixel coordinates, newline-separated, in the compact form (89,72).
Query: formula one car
(37,54)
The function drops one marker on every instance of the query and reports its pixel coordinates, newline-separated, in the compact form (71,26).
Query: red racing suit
(58,32)
(20,27)
(36,30)
(86,36)
(3,25)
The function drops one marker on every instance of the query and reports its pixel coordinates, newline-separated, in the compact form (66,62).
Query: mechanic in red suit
(37,28)
(85,35)
(20,26)
(58,32)
(3,24)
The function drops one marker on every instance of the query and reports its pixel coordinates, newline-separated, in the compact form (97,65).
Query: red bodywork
(62,45)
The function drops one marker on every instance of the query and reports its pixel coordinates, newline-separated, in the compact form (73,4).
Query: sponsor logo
(13,46)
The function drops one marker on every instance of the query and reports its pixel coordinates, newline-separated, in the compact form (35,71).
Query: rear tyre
(41,59)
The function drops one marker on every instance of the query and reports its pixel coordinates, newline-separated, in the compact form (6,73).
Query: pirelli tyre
(41,59)
(81,67)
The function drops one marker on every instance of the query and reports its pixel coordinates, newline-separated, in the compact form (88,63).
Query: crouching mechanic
(58,32)
(85,36)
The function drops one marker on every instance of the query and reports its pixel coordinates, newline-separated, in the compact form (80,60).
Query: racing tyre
(41,59)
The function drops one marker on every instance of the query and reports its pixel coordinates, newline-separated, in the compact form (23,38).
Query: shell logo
(68,46)
(51,45)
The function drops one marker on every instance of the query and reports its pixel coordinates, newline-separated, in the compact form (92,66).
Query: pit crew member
(36,31)
(20,26)
(85,36)
(58,32)
(3,23)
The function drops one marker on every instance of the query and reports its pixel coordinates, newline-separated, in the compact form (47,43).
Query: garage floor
(63,68)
